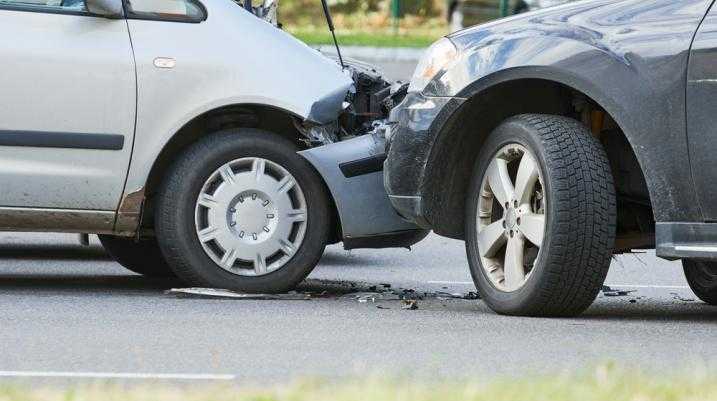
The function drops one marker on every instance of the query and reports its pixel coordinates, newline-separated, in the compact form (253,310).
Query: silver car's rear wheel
(251,216)
(511,217)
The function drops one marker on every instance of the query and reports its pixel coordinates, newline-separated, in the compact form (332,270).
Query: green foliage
(376,38)
(309,12)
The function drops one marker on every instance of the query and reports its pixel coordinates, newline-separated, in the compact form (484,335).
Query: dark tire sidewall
(202,160)
(500,301)
(701,276)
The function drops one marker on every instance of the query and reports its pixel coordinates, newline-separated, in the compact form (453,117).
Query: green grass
(376,39)
(603,383)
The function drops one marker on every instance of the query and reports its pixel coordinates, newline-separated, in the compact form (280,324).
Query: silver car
(194,136)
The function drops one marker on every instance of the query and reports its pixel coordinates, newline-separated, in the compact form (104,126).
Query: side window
(166,10)
(45,5)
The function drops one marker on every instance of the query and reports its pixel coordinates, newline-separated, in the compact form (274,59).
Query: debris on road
(364,297)
(228,294)
(678,297)
(325,289)
(610,292)
(409,304)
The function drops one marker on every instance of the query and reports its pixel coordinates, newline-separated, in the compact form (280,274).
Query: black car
(552,140)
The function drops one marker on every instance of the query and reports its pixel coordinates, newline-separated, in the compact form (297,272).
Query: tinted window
(68,5)
(171,10)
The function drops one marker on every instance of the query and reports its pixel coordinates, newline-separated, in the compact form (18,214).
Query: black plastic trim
(399,239)
(367,165)
(686,240)
(41,139)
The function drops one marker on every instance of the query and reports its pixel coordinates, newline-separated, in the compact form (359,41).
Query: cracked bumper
(414,125)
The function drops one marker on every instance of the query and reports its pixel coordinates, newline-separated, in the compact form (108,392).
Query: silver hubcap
(511,217)
(251,216)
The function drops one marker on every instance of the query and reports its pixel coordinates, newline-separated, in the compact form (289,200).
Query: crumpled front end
(413,127)
(348,149)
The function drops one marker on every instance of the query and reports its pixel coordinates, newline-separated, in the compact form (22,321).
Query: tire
(702,278)
(569,212)
(180,214)
(143,257)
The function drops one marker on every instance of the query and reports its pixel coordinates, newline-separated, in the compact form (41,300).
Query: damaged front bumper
(353,172)
(414,125)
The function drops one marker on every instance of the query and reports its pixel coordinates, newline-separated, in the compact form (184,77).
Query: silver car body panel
(76,74)
(63,78)
(232,58)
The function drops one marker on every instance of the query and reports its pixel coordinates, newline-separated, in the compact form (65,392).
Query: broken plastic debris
(364,297)
(678,297)
(610,292)
(228,294)
(409,304)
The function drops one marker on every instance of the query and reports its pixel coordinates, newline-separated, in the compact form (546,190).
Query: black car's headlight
(437,58)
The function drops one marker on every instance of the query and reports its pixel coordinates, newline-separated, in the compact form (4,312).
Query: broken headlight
(437,58)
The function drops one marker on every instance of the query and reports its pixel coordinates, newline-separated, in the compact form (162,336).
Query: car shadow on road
(83,284)
(652,311)
(343,258)
(52,252)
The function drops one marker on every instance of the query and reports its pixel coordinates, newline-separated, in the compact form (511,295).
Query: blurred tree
(302,11)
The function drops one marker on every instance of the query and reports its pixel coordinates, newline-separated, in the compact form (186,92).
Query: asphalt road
(69,310)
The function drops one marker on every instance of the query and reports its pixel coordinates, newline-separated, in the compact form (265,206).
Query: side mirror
(105,8)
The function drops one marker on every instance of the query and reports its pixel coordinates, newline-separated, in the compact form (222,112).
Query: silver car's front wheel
(511,217)
(241,210)
(250,216)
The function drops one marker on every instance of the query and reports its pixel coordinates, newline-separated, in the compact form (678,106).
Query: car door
(67,106)
(702,113)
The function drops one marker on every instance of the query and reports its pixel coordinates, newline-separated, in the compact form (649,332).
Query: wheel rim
(511,217)
(251,216)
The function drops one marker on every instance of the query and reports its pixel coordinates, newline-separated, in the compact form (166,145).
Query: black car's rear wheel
(702,278)
(541,217)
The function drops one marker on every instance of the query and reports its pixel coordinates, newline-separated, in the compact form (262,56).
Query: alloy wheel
(511,217)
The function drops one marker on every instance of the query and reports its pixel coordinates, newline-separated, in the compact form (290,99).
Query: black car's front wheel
(702,278)
(541,217)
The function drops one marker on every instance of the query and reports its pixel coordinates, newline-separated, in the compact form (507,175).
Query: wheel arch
(136,209)
(496,98)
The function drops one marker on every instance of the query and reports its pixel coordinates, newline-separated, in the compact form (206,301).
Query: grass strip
(602,383)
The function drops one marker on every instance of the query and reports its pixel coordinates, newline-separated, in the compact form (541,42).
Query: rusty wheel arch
(135,213)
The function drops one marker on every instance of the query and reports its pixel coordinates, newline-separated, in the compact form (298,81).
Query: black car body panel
(628,56)
(702,115)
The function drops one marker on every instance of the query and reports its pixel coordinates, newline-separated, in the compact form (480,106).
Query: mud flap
(353,172)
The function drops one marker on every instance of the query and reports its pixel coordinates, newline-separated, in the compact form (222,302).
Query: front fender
(629,56)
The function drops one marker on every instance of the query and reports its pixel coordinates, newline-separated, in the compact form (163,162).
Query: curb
(405,54)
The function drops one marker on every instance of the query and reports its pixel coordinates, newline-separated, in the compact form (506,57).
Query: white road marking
(109,375)
(667,287)
(664,287)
